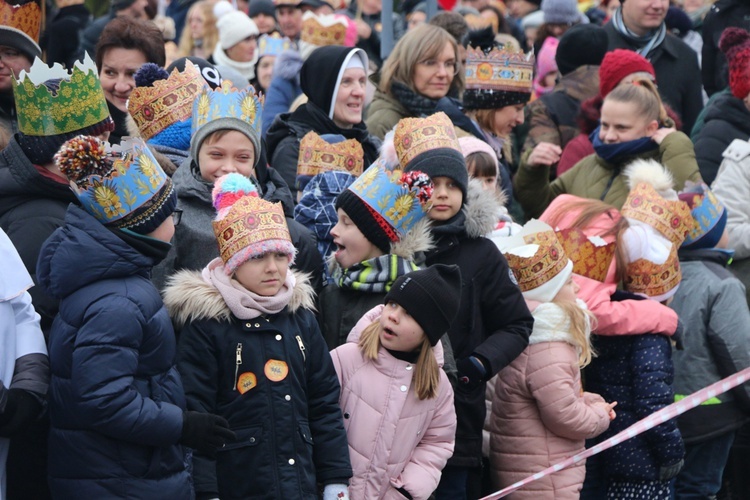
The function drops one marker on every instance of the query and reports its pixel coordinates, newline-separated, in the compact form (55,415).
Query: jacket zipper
(237,363)
(301,348)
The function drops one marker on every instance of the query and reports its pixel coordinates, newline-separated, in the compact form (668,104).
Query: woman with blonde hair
(200,36)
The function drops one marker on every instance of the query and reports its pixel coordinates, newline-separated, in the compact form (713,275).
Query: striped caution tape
(659,417)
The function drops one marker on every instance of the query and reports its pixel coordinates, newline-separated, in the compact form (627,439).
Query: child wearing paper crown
(117,405)
(397,402)
(251,351)
(540,414)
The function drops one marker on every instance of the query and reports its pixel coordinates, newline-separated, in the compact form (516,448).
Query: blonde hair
(419,44)
(210,32)
(642,92)
(582,321)
(426,371)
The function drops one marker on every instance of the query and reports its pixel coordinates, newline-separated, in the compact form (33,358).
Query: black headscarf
(319,76)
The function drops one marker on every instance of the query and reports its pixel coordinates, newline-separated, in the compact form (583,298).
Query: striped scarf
(375,275)
(646,43)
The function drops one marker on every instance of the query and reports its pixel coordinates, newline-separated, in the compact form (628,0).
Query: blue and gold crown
(272,45)
(227,102)
(709,214)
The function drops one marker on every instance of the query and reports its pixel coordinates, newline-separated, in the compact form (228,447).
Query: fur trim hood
(188,297)
(481,209)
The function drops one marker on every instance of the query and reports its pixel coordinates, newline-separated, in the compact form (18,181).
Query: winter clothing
(546,65)
(60,39)
(321,73)
(220,58)
(396,441)
(540,414)
(723,14)
(383,113)
(510,78)
(574,151)
(372,45)
(273,380)
(570,56)
(596,178)
(560,12)
(618,64)
(732,188)
(709,217)
(283,89)
(90,35)
(735,43)
(114,384)
(234,27)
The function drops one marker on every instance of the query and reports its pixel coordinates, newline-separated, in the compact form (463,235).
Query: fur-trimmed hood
(188,297)
(481,209)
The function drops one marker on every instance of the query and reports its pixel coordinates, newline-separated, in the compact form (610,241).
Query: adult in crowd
(201,35)
(289,18)
(263,14)
(125,45)
(723,14)
(238,43)
(423,68)
(639,26)
(18,48)
(727,116)
(269,48)
(60,39)
(90,36)
(559,17)
(334,80)
(367,16)
(519,9)
(455,24)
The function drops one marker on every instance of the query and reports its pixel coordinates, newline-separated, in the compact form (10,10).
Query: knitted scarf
(645,43)
(246,69)
(613,153)
(375,275)
(416,104)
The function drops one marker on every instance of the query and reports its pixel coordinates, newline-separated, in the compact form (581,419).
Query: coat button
(278,337)
(288,397)
(346,414)
(403,388)
(248,325)
(291,461)
(257,325)
(252,440)
(408,367)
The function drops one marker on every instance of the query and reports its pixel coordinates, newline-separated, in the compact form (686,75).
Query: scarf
(152,248)
(614,153)
(416,104)
(645,43)
(243,303)
(246,69)
(375,275)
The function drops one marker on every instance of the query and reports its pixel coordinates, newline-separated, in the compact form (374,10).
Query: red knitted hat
(735,43)
(618,64)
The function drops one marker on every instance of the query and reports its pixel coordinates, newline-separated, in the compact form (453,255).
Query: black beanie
(368,220)
(442,162)
(261,7)
(430,296)
(581,45)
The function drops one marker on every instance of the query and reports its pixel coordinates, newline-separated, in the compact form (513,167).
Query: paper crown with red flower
(591,256)
(656,281)
(415,136)
(317,155)
(19,27)
(498,78)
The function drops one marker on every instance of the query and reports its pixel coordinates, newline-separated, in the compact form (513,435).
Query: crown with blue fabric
(709,214)
(272,45)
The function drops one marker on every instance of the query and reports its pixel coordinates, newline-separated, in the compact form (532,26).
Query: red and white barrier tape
(639,427)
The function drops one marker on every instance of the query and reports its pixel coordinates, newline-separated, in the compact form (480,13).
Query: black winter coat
(61,38)
(726,119)
(723,14)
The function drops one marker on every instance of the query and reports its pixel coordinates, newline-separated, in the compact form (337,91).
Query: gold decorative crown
(548,261)
(505,69)
(78,103)
(166,102)
(654,280)
(323,30)
(671,219)
(414,136)
(24,18)
(316,156)
(589,259)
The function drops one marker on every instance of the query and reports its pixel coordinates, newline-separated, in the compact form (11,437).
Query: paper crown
(79,101)
(121,185)
(324,30)
(316,155)
(654,280)
(272,45)
(499,70)
(414,136)
(400,199)
(591,257)
(166,102)
(24,19)
(227,102)
(707,212)
(246,225)
(670,218)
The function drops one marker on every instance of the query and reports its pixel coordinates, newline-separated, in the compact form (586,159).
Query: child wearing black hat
(397,402)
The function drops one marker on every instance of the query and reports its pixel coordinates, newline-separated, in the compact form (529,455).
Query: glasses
(451,67)
(177,216)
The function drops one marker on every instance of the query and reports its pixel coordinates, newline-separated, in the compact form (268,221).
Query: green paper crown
(79,102)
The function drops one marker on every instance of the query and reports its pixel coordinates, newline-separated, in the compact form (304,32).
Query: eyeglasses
(177,216)
(434,65)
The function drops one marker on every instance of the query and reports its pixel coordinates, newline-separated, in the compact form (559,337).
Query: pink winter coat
(540,414)
(395,440)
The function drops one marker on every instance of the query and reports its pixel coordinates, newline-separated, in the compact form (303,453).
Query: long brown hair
(426,371)
(642,92)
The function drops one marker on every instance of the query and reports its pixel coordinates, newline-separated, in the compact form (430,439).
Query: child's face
(264,275)
(569,291)
(489,183)
(233,152)
(352,246)
(400,332)
(447,199)
(621,122)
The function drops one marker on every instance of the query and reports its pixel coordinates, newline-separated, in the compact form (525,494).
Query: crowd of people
(270,249)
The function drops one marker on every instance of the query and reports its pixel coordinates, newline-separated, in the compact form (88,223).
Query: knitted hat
(618,64)
(261,7)
(19,27)
(431,296)
(207,70)
(329,152)
(546,64)
(234,27)
(498,78)
(122,186)
(247,226)
(581,45)
(709,214)
(533,20)
(385,204)
(735,43)
(429,145)
(226,108)
(470,145)
(560,11)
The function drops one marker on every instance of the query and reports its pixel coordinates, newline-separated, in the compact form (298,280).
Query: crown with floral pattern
(273,44)
(227,102)
(708,214)
(316,155)
(671,218)
(500,77)
(414,136)
(166,102)
(79,102)
(535,255)
(654,280)
(24,19)
(324,30)
(591,256)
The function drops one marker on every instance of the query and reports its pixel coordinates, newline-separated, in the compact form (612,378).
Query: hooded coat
(283,89)
(116,399)
(290,434)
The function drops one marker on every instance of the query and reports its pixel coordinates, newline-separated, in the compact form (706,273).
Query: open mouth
(389,334)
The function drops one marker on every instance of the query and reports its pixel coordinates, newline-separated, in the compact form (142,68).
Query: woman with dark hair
(125,45)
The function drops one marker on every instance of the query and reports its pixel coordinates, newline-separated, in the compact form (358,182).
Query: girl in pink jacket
(397,402)
(540,414)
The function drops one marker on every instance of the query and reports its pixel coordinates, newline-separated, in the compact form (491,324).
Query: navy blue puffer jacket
(116,399)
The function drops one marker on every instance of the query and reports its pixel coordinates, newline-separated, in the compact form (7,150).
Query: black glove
(669,472)
(678,335)
(470,372)
(205,432)
(21,409)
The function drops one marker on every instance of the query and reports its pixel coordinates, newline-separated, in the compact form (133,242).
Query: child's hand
(544,154)
(608,408)
(660,134)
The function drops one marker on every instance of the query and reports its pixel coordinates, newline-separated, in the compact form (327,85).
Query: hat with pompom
(735,43)
(246,226)
(122,186)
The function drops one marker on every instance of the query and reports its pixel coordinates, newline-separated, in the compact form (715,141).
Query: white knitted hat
(235,26)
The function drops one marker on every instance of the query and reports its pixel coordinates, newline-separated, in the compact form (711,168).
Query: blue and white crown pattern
(272,45)
(706,210)
(227,102)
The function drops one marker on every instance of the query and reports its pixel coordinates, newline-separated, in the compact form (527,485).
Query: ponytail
(643,93)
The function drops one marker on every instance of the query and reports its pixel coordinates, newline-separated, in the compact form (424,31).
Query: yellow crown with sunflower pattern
(672,219)
(591,257)
(78,103)
(654,280)
(227,102)
(323,30)
(414,136)
(166,102)
(22,20)
(316,155)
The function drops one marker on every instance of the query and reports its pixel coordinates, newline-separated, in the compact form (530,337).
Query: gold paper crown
(671,219)
(589,260)
(316,33)
(24,18)
(79,101)
(414,136)
(505,69)
(316,156)
(166,102)
(654,280)
(547,262)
